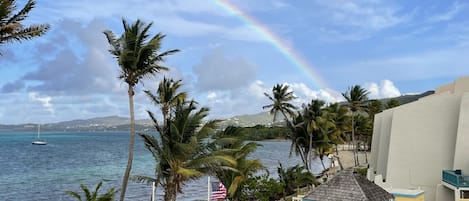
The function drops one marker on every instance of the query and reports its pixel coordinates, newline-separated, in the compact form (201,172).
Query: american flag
(218,191)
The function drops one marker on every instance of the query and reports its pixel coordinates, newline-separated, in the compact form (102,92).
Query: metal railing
(455,178)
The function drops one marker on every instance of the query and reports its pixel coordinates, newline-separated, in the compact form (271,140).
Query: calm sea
(40,173)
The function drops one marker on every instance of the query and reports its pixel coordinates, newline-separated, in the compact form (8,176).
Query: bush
(262,188)
(361,171)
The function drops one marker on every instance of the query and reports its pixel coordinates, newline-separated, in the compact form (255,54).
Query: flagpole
(208,189)
(153,191)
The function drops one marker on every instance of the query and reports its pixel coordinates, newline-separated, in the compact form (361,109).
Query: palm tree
(294,178)
(392,103)
(320,125)
(374,107)
(364,130)
(281,102)
(93,196)
(300,139)
(234,178)
(342,125)
(167,95)
(11,28)
(356,98)
(311,130)
(138,56)
(182,151)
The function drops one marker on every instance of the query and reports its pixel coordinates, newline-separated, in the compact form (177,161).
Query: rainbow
(285,49)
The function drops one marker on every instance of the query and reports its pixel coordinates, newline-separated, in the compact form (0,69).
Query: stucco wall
(461,153)
(375,149)
(384,132)
(417,142)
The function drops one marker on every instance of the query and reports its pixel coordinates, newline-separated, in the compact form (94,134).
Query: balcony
(456,178)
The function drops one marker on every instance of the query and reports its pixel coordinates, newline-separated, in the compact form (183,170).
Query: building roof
(349,186)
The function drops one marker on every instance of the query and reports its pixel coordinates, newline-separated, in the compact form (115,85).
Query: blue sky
(389,47)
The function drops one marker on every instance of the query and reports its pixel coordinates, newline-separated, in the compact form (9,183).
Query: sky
(232,51)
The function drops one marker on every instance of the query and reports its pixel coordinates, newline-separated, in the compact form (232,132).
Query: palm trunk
(366,150)
(323,166)
(340,163)
(170,190)
(131,143)
(355,156)
(304,158)
(310,153)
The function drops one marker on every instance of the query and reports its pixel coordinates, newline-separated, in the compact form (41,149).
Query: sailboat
(39,141)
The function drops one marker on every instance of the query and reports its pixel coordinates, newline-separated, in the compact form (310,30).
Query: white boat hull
(40,142)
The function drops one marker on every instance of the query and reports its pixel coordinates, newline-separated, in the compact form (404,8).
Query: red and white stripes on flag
(218,191)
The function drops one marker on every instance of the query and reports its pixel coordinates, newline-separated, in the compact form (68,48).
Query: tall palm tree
(356,98)
(320,125)
(93,196)
(300,139)
(167,95)
(181,150)
(281,102)
(138,56)
(311,131)
(364,131)
(342,123)
(11,28)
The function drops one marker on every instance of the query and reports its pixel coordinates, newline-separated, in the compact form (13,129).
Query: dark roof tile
(349,186)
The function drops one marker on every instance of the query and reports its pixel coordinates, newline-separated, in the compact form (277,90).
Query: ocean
(39,173)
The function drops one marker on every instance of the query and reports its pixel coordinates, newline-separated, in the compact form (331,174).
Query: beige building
(414,143)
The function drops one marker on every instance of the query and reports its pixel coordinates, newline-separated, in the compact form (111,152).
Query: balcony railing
(455,178)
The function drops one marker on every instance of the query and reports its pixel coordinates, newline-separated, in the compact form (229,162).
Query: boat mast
(39,131)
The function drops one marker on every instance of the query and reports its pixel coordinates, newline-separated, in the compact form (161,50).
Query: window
(465,194)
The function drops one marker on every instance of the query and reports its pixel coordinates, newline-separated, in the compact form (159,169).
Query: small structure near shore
(348,185)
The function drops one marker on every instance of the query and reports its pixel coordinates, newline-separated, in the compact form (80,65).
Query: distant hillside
(110,123)
(116,123)
(408,98)
(263,118)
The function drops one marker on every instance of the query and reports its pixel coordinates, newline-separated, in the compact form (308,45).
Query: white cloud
(305,94)
(385,89)
(44,100)
(258,89)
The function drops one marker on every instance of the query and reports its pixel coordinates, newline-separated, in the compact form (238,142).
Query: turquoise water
(40,173)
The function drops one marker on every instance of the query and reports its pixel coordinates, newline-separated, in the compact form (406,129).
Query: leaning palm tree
(281,102)
(11,28)
(229,142)
(181,150)
(138,56)
(356,98)
(294,178)
(93,196)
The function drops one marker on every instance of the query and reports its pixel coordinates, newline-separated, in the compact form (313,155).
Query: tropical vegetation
(281,97)
(262,132)
(11,27)
(138,56)
(181,148)
(93,195)
(356,97)
(294,178)
(235,178)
